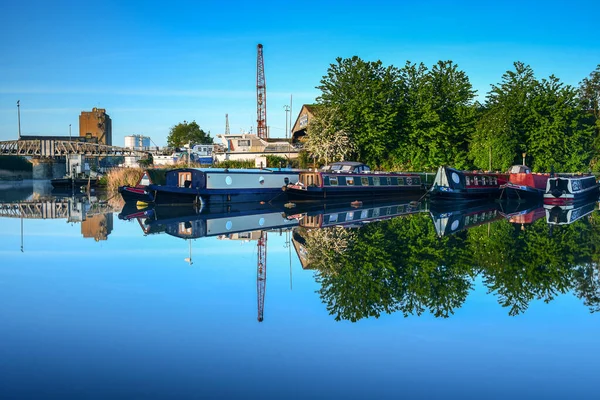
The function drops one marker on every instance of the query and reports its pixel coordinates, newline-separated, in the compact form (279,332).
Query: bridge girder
(61,148)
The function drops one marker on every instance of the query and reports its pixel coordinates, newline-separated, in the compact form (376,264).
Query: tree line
(416,118)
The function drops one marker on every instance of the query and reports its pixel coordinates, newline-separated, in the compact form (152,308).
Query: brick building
(96,124)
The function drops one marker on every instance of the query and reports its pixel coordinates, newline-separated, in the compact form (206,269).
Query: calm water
(418,303)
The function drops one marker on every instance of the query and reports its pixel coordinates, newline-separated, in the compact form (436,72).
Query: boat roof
(239,170)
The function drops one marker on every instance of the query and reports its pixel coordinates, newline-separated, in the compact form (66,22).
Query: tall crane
(261,95)
(261,128)
(261,273)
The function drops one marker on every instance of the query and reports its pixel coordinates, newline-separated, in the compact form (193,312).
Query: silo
(144,142)
(130,141)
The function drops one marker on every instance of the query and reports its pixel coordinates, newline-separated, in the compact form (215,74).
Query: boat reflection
(353,214)
(189,222)
(524,213)
(564,215)
(455,218)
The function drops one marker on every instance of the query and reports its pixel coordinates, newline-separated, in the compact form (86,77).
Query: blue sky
(153,66)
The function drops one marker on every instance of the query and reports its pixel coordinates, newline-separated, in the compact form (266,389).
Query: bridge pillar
(46,169)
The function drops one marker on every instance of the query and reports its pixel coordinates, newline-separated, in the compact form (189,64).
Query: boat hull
(443,194)
(135,194)
(173,195)
(320,193)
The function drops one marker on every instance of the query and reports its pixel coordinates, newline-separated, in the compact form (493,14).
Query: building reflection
(97,226)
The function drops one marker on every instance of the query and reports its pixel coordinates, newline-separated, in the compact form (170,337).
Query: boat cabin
(520,169)
(350,167)
(186,178)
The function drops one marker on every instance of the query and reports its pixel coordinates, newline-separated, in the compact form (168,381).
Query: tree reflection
(395,265)
(402,265)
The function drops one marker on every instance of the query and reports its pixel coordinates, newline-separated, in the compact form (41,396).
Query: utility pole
(287,110)
(69,132)
(19,116)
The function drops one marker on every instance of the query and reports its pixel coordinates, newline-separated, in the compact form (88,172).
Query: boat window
(185,229)
(185,179)
(416,181)
(364,181)
(335,167)
(376,180)
(401,182)
(394,181)
(409,180)
(333,181)
(346,168)
(384,181)
(365,168)
(350,180)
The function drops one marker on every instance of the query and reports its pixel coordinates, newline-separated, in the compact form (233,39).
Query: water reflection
(94,215)
(370,258)
(410,265)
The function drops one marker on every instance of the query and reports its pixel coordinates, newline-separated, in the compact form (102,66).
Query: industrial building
(96,124)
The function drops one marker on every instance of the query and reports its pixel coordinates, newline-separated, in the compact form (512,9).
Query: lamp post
(524,154)
(19,116)
(69,132)
(287,110)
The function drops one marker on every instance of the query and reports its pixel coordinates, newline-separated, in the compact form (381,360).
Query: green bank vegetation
(416,118)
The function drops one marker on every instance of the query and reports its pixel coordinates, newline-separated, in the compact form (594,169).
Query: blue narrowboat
(453,185)
(566,190)
(218,185)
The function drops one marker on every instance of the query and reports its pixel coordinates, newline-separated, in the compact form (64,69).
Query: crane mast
(261,273)
(261,95)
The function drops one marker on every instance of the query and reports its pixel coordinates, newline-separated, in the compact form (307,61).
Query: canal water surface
(395,299)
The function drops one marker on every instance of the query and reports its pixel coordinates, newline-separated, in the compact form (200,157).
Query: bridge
(52,148)
(72,209)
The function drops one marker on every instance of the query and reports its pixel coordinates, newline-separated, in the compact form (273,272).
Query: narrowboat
(218,185)
(140,191)
(524,184)
(449,219)
(348,179)
(190,223)
(462,186)
(565,190)
(353,214)
(563,215)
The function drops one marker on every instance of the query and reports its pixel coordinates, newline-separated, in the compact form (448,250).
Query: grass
(121,177)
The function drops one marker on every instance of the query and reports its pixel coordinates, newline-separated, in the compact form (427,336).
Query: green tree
(561,135)
(506,120)
(187,133)
(589,95)
(441,115)
(365,96)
